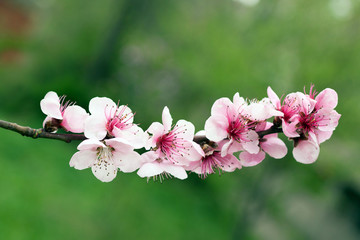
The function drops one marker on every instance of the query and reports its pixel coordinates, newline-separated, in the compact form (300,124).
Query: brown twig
(40,133)
(66,137)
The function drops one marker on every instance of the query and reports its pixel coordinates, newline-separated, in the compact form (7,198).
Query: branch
(66,137)
(40,133)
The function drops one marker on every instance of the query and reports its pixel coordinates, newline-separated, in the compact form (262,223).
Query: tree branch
(40,133)
(66,137)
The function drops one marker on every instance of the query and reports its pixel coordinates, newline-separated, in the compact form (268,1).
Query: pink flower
(107,118)
(62,114)
(172,148)
(105,158)
(269,144)
(290,107)
(212,161)
(316,123)
(228,121)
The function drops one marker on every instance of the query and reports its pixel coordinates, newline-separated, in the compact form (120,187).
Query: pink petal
(185,130)
(327,98)
(74,119)
(50,105)
(248,160)
(98,105)
(157,130)
(83,159)
(150,170)
(90,144)
(239,102)
(104,171)
(252,142)
(166,119)
(216,128)
(330,119)
(221,107)
(150,156)
(289,129)
(95,127)
(274,146)
(322,136)
(273,98)
(231,163)
(306,152)
(225,147)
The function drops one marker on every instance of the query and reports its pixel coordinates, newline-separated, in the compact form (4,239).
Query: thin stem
(40,133)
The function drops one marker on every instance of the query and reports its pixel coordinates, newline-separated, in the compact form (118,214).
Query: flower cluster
(239,133)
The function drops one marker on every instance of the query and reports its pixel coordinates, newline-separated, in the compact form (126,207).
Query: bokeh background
(185,55)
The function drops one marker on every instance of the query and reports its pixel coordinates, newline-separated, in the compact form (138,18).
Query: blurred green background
(185,55)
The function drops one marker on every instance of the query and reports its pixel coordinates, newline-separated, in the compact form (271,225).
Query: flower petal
(74,119)
(176,171)
(95,127)
(98,105)
(327,98)
(50,105)
(306,152)
(83,159)
(150,170)
(127,162)
(216,128)
(185,130)
(104,171)
(134,135)
(90,144)
(248,160)
(166,119)
(252,142)
(273,98)
(274,146)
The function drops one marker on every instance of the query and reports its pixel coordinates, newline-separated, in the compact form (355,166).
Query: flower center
(173,146)
(118,118)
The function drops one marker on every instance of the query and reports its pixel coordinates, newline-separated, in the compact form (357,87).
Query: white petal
(135,136)
(150,170)
(50,105)
(127,162)
(95,127)
(83,159)
(104,171)
(176,171)
(90,144)
(98,105)
(185,129)
(166,119)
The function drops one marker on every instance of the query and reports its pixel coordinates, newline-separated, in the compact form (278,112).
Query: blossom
(316,122)
(212,160)
(106,157)
(62,114)
(108,118)
(290,107)
(228,121)
(172,148)
(269,144)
